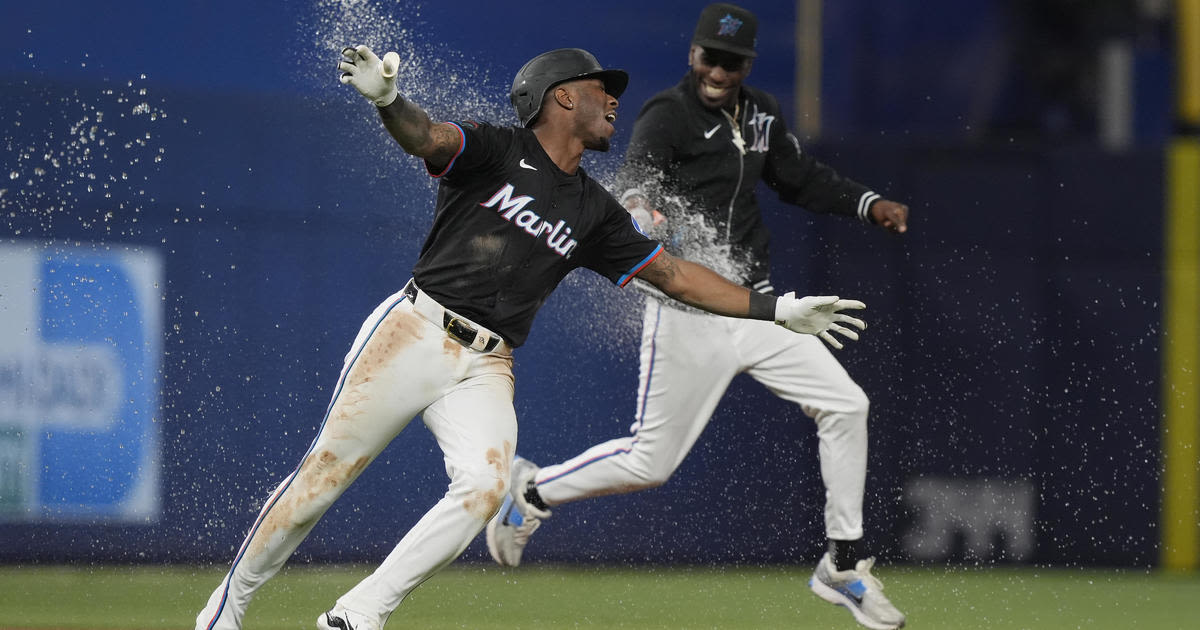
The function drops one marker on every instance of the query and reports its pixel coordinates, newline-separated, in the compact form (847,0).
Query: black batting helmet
(551,68)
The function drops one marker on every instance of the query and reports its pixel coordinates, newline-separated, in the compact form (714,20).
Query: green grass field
(480,597)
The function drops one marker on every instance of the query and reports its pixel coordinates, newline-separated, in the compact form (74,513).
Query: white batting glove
(373,77)
(819,316)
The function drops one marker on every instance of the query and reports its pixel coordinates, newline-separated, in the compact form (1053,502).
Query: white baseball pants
(687,362)
(400,365)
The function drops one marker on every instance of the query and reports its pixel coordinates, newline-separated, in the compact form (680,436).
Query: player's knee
(323,470)
(481,491)
(859,404)
(652,475)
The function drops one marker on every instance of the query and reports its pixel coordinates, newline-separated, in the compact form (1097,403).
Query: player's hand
(819,316)
(373,77)
(646,216)
(890,215)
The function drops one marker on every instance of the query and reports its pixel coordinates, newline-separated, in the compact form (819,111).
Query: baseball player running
(515,213)
(708,140)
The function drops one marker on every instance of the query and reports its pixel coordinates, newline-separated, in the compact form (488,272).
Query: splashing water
(439,80)
(84,160)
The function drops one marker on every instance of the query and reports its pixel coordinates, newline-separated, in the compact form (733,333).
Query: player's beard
(597,135)
(593,128)
(598,144)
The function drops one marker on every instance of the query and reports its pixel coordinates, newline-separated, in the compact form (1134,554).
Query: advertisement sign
(80,352)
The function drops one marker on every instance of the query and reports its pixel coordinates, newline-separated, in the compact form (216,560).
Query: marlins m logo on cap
(729,25)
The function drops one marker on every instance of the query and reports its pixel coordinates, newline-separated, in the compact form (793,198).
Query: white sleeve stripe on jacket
(864,203)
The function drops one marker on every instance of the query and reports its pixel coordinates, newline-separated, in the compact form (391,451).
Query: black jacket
(685,158)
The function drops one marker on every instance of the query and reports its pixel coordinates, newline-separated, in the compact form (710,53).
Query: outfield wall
(195,218)
(1012,358)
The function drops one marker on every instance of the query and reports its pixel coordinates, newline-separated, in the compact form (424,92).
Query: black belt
(458,328)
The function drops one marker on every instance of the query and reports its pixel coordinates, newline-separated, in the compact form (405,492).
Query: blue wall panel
(1013,334)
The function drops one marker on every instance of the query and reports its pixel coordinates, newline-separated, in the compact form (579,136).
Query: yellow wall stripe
(1181,308)
(1181,359)
(1187,18)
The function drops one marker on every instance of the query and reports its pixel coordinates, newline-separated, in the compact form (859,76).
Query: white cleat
(341,618)
(859,591)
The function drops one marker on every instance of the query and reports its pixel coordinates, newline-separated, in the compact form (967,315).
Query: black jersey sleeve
(481,147)
(651,151)
(802,180)
(619,250)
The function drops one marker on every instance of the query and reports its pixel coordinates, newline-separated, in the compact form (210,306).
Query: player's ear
(563,96)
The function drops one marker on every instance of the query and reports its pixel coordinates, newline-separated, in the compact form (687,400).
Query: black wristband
(762,306)
(391,110)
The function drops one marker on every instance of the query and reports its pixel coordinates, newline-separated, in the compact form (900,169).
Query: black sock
(532,496)
(843,553)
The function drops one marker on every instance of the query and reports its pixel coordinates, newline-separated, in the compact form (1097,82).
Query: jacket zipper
(737,132)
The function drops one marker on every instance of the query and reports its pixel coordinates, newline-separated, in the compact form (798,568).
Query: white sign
(992,518)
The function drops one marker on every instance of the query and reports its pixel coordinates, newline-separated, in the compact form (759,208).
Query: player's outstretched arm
(375,79)
(699,286)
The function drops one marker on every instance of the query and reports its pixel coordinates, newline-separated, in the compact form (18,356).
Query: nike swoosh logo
(337,622)
(522,164)
(708,134)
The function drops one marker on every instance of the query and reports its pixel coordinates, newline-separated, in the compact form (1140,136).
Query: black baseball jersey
(510,225)
(681,148)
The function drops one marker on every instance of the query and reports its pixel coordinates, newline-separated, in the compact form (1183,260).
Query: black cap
(551,68)
(727,27)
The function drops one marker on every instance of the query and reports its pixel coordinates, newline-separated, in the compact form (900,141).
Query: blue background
(1014,331)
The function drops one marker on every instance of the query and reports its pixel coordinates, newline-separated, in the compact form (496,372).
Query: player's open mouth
(713,92)
(610,117)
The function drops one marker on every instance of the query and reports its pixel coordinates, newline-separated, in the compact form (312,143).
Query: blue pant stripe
(641,414)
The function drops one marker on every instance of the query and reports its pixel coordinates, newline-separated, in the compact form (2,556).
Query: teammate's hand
(646,216)
(819,316)
(373,77)
(890,215)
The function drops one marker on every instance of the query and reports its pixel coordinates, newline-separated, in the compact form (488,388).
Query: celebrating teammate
(515,213)
(708,140)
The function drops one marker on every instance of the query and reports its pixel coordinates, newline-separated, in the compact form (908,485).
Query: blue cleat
(859,591)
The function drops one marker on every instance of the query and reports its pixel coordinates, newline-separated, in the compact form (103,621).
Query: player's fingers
(366,53)
(345,78)
(843,331)
(853,321)
(849,305)
(829,339)
(347,67)
(900,219)
(350,54)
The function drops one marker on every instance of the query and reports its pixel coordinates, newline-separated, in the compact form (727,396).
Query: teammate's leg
(800,369)
(687,363)
(381,388)
(476,428)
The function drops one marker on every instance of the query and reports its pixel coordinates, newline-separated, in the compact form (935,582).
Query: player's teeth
(713,91)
